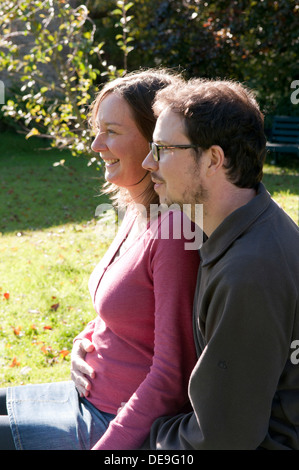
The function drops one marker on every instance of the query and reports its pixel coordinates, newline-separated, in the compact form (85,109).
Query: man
(244,389)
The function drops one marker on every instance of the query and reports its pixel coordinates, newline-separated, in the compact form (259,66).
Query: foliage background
(54,54)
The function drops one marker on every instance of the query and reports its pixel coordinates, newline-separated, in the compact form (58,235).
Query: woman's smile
(111,162)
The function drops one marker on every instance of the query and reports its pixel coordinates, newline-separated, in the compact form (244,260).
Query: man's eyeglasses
(155,148)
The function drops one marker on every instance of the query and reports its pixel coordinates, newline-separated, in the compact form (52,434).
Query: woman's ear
(216,160)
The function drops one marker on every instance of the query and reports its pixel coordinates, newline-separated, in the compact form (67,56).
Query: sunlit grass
(282,181)
(44,298)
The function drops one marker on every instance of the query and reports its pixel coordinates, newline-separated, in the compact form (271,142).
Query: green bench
(284,135)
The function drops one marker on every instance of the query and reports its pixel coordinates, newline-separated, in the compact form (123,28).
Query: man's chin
(170,202)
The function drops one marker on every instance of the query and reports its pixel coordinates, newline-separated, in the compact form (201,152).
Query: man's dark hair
(224,113)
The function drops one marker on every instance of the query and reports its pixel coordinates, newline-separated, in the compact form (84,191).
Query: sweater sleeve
(164,391)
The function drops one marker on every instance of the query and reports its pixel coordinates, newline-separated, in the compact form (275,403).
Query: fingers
(81,371)
(86,345)
(78,363)
(81,382)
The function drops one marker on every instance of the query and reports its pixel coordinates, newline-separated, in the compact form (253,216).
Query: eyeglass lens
(155,151)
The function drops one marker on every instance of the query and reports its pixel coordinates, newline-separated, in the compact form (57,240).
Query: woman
(142,349)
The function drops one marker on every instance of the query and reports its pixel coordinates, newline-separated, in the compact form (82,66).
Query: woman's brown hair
(139,90)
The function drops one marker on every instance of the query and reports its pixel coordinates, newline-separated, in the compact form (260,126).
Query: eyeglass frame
(156,152)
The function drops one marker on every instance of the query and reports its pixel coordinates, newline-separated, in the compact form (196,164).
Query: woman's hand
(80,370)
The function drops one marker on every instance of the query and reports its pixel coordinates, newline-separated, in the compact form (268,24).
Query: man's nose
(149,163)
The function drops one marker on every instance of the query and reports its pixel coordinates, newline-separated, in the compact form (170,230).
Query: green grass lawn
(282,181)
(50,241)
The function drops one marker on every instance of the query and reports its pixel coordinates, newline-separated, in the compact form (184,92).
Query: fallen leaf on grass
(14,363)
(64,353)
(46,349)
(54,307)
(17,330)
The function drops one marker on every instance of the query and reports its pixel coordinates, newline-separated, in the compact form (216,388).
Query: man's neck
(218,207)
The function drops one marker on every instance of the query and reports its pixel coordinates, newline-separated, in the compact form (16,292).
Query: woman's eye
(107,132)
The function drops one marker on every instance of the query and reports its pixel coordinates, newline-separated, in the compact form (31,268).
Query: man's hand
(80,370)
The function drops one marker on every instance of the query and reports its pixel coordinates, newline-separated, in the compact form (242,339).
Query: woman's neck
(137,191)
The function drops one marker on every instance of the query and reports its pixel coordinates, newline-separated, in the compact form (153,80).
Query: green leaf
(128,6)
(33,131)
(117,11)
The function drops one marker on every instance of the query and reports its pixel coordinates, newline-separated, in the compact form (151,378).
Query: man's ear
(216,160)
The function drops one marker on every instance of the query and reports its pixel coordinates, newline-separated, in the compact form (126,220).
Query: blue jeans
(53,417)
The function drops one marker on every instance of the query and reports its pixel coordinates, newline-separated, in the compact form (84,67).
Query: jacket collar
(233,226)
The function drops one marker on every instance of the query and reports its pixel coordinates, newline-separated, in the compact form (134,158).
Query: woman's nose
(99,145)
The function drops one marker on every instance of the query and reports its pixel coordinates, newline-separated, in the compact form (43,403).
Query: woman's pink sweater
(144,349)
